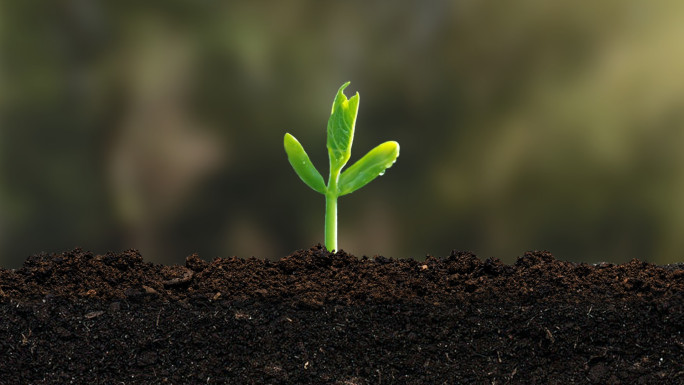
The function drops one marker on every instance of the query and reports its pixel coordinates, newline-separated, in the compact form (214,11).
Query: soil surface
(319,318)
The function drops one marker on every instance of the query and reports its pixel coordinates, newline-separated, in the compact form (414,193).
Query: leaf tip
(288,139)
(340,94)
(396,145)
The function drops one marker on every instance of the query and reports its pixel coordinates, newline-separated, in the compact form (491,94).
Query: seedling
(340,136)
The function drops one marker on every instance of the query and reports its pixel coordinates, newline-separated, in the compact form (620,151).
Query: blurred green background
(523,125)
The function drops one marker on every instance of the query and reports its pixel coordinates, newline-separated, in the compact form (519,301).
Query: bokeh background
(523,125)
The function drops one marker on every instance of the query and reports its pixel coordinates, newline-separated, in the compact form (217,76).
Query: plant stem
(331,195)
(331,222)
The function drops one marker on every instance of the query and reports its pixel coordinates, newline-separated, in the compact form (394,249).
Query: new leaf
(341,128)
(371,166)
(302,164)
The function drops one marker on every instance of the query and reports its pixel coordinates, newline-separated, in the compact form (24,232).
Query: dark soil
(320,318)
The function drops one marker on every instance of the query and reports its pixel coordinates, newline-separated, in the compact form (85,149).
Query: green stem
(331,222)
(331,195)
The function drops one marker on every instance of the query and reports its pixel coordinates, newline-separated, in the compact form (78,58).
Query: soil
(319,318)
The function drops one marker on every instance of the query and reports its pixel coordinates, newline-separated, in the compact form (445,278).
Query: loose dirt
(320,318)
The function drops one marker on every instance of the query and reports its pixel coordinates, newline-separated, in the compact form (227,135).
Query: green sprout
(340,136)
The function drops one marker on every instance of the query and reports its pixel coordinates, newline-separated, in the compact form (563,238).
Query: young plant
(340,136)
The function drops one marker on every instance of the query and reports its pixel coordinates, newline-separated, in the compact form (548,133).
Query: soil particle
(315,317)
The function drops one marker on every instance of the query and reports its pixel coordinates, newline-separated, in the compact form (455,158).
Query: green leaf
(341,128)
(302,164)
(372,165)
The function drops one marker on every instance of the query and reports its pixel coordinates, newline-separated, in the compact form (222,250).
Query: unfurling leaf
(372,165)
(341,127)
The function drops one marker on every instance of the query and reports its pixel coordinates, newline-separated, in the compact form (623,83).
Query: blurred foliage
(524,125)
